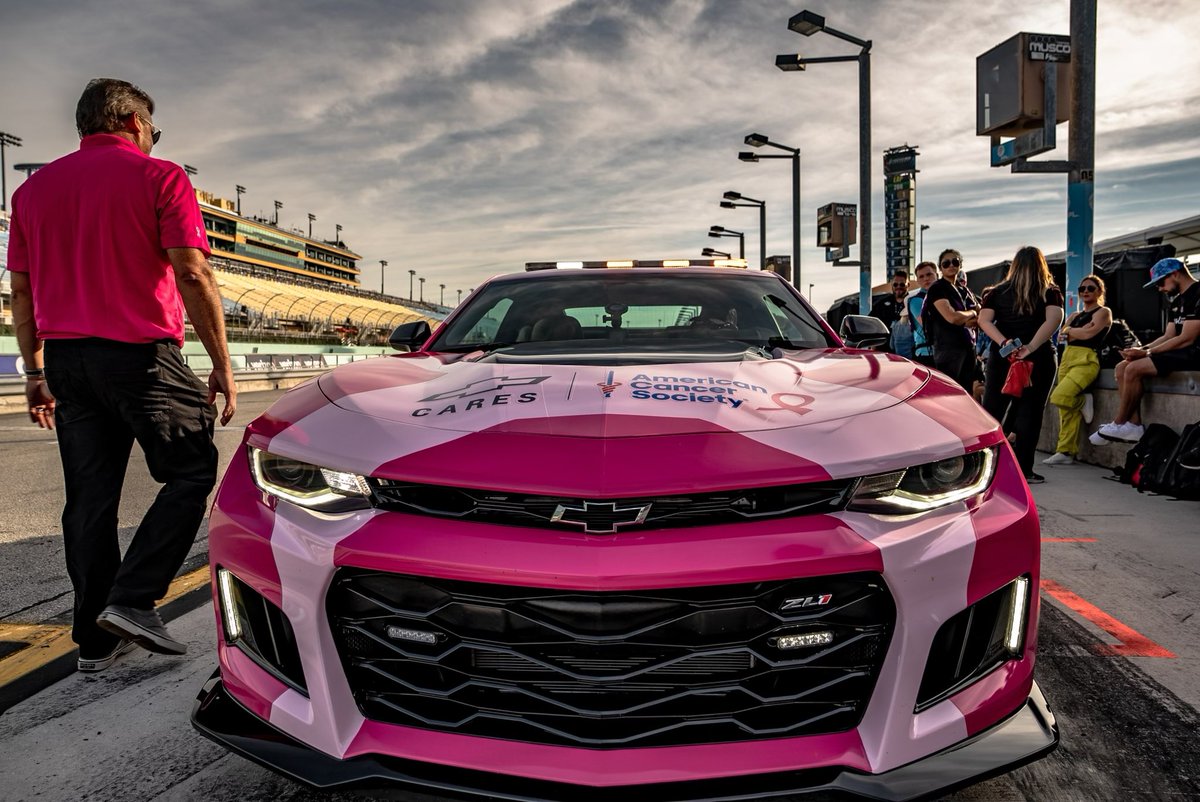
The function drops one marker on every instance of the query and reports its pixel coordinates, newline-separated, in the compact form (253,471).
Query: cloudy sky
(462,138)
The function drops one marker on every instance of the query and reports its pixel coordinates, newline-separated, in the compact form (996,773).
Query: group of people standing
(976,341)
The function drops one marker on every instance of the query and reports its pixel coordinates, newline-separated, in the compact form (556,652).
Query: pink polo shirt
(91,229)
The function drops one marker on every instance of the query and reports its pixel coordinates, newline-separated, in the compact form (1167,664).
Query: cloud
(464,138)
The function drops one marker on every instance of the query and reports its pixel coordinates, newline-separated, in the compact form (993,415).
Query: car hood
(809,388)
(623,432)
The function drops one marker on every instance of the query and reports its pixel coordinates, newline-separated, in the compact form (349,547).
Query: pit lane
(1126,710)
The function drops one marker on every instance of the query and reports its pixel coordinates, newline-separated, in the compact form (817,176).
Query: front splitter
(1025,736)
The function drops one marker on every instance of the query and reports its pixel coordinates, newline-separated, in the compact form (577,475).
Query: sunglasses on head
(954,262)
(1088,288)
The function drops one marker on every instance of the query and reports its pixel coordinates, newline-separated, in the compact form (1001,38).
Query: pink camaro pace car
(636,534)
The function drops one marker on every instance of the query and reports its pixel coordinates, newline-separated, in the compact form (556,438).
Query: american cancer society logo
(608,385)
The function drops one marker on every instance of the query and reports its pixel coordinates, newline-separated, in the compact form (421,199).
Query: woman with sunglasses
(947,321)
(1026,306)
(1084,334)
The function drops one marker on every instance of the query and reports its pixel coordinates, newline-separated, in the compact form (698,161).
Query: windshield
(662,312)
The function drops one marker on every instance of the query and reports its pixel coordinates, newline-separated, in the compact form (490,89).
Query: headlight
(308,485)
(926,487)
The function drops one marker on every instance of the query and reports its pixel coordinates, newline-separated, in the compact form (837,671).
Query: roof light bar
(618,263)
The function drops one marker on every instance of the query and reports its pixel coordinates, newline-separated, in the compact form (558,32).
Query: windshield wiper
(468,349)
(784,342)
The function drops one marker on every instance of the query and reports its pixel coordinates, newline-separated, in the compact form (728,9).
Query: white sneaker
(1089,407)
(1127,432)
(1098,439)
(1059,459)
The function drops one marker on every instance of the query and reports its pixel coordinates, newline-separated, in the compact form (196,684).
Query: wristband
(34,373)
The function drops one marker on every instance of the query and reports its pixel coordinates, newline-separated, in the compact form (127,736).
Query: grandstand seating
(260,302)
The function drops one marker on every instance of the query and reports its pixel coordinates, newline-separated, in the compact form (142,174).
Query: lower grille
(612,669)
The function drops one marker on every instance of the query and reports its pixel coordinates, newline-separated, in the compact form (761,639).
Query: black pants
(1024,413)
(958,364)
(109,394)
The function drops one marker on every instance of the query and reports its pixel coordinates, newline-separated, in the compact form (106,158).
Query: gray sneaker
(143,627)
(90,664)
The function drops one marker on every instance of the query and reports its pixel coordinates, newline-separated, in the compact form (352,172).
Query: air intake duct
(260,630)
(975,642)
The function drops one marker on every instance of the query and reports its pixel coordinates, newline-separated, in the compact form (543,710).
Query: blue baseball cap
(1163,268)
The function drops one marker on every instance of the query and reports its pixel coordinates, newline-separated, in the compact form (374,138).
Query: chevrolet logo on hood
(600,518)
(489,385)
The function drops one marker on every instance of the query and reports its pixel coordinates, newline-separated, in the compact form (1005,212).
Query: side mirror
(863,331)
(409,336)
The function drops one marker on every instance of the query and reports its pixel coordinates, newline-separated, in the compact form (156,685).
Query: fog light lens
(229,608)
(1016,623)
(823,638)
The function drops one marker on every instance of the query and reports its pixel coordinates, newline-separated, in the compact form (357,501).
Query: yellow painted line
(48,642)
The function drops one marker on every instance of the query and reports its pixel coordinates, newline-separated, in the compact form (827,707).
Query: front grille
(610,669)
(606,516)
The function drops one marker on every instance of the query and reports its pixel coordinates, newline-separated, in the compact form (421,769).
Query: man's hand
(1131,354)
(221,381)
(41,403)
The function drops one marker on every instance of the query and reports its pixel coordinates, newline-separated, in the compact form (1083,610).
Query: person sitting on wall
(1177,349)
(1084,332)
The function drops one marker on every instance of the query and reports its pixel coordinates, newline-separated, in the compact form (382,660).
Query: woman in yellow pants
(1084,332)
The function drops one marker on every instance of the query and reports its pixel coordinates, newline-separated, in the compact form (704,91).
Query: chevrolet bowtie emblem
(600,518)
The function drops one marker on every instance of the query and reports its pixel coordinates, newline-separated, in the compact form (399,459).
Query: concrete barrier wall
(1173,400)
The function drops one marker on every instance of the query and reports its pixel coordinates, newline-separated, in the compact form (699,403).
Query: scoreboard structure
(900,207)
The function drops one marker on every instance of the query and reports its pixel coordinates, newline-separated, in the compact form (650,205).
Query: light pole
(190,170)
(714,252)
(411,273)
(312,218)
(337,234)
(6,140)
(459,295)
(382,270)
(810,286)
(924,228)
(721,231)
(806,23)
(757,141)
(422,285)
(729,203)
(29,168)
(240,190)
(442,295)
(278,206)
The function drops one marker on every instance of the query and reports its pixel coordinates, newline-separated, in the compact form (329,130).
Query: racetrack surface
(1123,567)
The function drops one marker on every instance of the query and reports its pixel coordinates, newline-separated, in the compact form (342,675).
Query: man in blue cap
(1177,349)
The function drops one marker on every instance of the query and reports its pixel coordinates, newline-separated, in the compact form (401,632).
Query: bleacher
(262,303)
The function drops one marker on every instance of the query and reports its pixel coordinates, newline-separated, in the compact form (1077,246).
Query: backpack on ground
(1119,337)
(1176,480)
(1147,460)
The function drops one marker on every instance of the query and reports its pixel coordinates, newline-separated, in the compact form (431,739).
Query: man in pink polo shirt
(107,250)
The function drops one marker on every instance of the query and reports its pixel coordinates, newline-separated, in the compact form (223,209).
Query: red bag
(1020,376)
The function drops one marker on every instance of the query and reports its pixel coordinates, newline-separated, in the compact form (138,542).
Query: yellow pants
(1079,368)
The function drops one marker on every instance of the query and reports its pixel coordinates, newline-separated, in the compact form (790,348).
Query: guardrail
(252,372)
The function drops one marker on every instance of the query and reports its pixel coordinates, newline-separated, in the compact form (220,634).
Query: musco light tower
(1023,92)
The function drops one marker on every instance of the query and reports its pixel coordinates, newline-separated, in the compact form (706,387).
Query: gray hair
(106,103)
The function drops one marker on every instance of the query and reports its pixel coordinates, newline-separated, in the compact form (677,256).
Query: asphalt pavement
(1118,657)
